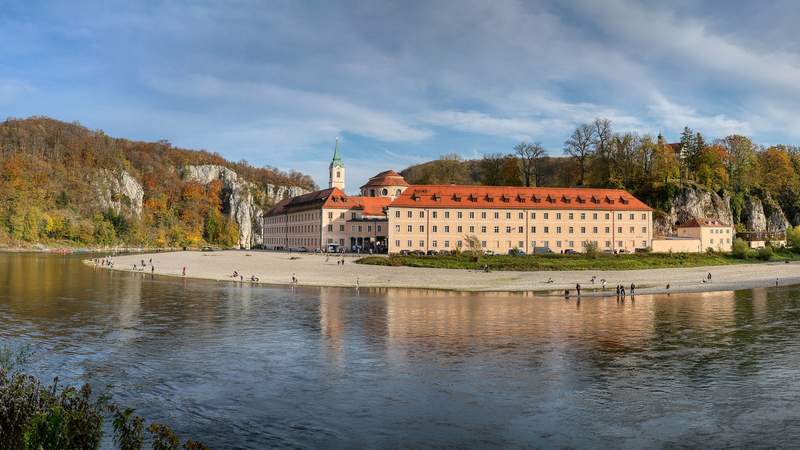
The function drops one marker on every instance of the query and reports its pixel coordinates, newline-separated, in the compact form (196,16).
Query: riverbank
(319,270)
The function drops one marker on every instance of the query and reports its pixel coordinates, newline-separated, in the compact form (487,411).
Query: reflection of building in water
(331,321)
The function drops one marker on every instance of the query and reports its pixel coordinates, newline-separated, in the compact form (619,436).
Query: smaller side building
(711,233)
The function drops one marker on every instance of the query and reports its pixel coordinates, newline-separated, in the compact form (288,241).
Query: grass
(573,262)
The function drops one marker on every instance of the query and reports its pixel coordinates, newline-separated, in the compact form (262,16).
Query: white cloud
(675,117)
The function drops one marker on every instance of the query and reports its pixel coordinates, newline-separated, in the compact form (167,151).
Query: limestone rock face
(766,215)
(693,202)
(241,199)
(119,192)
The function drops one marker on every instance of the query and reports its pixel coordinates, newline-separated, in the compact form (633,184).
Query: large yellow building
(392,216)
(437,218)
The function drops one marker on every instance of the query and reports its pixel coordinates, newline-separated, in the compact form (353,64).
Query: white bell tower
(336,169)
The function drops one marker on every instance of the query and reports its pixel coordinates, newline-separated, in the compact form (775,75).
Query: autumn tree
(579,147)
(529,155)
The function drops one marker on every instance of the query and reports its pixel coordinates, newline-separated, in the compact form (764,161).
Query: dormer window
(504,198)
(473,198)
(435,197)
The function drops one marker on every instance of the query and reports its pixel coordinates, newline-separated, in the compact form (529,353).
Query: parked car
(570,251)
(541,250)
(432,253)
(516,252)
(488,253)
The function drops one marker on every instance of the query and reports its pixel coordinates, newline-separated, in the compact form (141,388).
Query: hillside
(63,184)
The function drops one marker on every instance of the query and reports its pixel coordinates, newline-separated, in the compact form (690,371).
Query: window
(459,244)
(330,227)
(409,244)
(632,229)
(619,229)
(520,230)
(409,214)
(583,216)
(644,244)
(631,216)
(472,228)
(558,216)
(397,229)
(594,230)
(619,244)
(520,244)
(483,244)
(496,215)
(608,244)
(422,228)
(397,213)
(608,230)
(447,228)
(434,228)
(433,214)
(433,244)
(422,214)
(608,216)
(422,243)
(545,215)
(594,216)
(712,240)
(644,216)
(558,229)
(471,215)
(483,215)
(458,229)
(341,215)
(447,214)
(446,244)
(341,227)
(330,214)
(533,215)
(558,243)
(583,230)
(508,215)
(572,243)
(619,216)
(460,215)
(521,215)
(546,229)
(483,229)
(397,243)
(496,229)
(508,229)
(571,216)
(644,229)
(410,229)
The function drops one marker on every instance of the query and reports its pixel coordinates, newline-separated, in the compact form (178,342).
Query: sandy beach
(317,270)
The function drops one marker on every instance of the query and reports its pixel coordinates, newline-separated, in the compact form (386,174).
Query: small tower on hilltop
(336,169)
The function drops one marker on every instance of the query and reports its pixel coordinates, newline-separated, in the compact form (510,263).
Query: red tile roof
(512,197)
(699,223)
(386,178)
(333,198)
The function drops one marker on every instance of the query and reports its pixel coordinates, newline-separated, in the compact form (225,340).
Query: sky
(276,82)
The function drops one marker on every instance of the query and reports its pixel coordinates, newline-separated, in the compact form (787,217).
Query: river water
(238,366)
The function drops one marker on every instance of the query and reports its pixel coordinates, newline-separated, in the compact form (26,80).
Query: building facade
(533,220)
(711,234)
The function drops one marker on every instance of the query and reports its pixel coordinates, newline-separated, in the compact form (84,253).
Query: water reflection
(241,365)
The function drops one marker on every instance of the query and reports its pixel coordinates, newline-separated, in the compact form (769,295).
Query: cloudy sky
(275,82)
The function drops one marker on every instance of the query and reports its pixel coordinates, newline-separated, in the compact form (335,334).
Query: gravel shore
(317,270)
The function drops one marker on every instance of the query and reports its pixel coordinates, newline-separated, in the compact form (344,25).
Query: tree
(492,169)
(579,146)
(741,162)
(602,141)
(529,156)
(625,156)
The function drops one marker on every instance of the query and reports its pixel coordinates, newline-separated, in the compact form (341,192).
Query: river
(240,366)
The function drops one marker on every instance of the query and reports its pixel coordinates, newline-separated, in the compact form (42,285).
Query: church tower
(336,169)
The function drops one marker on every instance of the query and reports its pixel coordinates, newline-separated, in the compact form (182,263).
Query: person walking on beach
(578,288)
(152,270)
(709,277)
(184,271)
(633,289)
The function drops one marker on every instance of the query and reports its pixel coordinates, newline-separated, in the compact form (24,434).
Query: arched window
(399,191)
(338,174)
(385,191)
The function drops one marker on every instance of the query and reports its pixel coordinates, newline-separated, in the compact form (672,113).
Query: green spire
(337,159)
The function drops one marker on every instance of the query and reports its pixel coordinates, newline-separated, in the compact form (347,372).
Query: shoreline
(312,270)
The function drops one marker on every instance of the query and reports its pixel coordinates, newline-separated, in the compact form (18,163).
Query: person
(151,261)
(633,289)
(241,278)
(134,266)
(184,271)
(294,278)
(550,280)
(593,278)
(578,288)
(667,286)
(709,277)
(235,274)
(617,289)
(152,269)
(486,268)
(622,290)
(604,284)
(566,293)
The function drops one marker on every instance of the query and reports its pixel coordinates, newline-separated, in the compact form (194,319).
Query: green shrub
(740,249)
(765,253)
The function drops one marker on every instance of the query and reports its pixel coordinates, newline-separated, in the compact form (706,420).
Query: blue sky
(275,82)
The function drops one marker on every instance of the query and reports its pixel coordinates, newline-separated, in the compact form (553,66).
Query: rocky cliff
(758,213)
(692,202)
(242,200)
(118,191)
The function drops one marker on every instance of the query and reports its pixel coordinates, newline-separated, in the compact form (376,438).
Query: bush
(765,253)
(740,249)
(590,247)
(793,237)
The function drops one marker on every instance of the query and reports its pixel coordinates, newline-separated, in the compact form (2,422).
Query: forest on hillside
(652,169)
(52,177)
